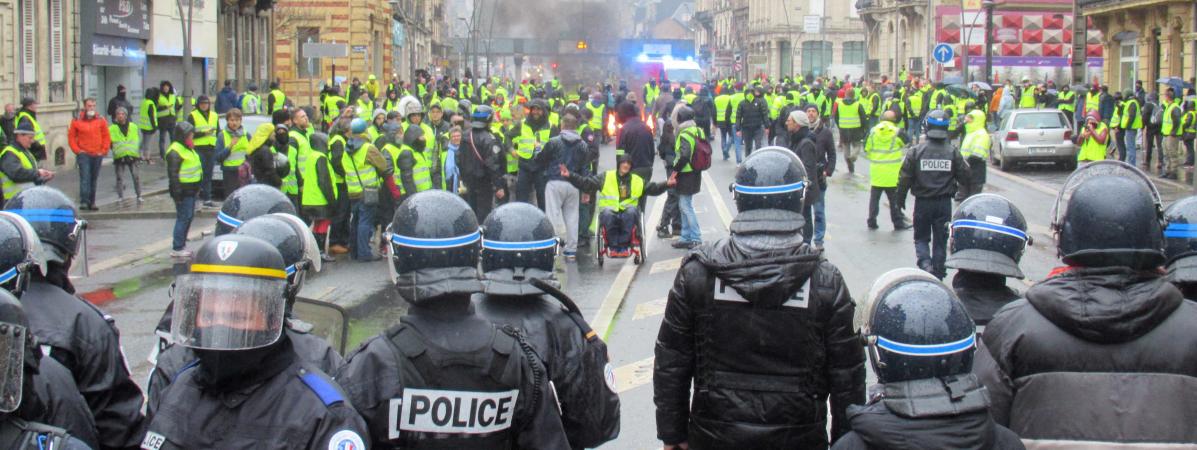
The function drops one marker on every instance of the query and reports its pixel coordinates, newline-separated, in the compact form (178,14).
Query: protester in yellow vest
(232,147)
(619,191)
(975,150)
(298,149)
(849,116)
(413,169)
(166,104)
(1189,124)
(884,150)
(184,172)
(1092,101)
(1026,98)
(276,100)
(1093,139)
(207,126)
(318,194)
(126,152)
(365,166)
(1066,103)
(1171,129)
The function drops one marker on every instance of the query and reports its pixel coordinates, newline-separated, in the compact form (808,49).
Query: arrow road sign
(942,53)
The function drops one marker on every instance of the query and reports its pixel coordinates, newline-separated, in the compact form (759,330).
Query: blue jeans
(914,128)
(363,229)
(726,137)
(89,174)
(1132,152)
(820,219)
(690,230)
(207,156)
(184,212)
(739,143)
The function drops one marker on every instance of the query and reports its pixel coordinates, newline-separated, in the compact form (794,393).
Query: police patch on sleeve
(609,376)
(451,412)
(346,440)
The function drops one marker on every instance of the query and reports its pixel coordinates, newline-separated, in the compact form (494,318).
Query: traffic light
(582,45)
(554,66)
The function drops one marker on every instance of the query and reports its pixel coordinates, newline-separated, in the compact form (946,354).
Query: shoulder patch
(346,440)
(323,388)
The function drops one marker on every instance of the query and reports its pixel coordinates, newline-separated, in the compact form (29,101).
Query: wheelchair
(638,249)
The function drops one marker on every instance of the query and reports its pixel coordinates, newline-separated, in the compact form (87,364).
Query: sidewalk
(153,190)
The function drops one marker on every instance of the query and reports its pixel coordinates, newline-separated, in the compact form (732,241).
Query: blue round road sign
(943,53)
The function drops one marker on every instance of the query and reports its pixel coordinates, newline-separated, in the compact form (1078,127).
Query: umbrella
(959,90)
(981,85)
(1176,83)
(953,79)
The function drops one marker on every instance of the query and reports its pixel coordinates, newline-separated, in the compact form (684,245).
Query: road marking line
(1027,182)
(634,375)
(649,309)
(720,204)
(601,323)
(668,265)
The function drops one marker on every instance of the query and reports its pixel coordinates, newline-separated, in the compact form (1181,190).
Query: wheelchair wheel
(599,247)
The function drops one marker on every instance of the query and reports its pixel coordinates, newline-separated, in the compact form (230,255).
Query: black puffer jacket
(753,114)
(982,294)
(921,415)
(1097,355)
(765,353)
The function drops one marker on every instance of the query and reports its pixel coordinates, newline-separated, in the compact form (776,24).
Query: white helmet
(409,105)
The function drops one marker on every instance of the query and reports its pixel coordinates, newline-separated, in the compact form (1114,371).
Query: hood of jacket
(412,135)
(1106,305)
(920,414)
(570,136)
(764,260)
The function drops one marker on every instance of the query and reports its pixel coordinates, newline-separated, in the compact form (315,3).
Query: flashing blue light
(642,58)
(690,59)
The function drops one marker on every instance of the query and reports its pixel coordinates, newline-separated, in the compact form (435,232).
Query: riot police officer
(1104,334)
(248,388)
(55,399)
(18,366)
(442,358)
(921,343)
(77,334)
(250,201)
(480,159)
(518,249)
(988,237)
(1180,245)
(931,171)
(295,242)
(776,335)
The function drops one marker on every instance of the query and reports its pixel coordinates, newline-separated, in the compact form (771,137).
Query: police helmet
(518,242)
(232,298)
(916,328)
(482,116)
(17,346)
(182,129)
(1180,240)
(772,178)
(432,230)
(294,241)
(54,218)
(248,202)
(20,252)
(412,107)
(988,235)
(936,124)
(1109,214)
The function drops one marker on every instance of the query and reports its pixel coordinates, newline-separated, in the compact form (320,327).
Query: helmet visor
(1094,170)
(12,365)
(227,312)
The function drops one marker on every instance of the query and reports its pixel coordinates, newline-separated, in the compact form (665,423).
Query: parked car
(1033,135)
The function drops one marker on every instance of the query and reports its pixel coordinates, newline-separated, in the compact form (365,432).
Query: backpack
(701,159)
(1157,114)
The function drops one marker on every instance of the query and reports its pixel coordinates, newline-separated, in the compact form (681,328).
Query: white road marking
(668,265)
(650,309)
(601,323)
(634,375)
(720,204)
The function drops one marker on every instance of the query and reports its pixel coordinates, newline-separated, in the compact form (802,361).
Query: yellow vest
(166,105)
(1127,122)
(1168,127)
(38,134)
(608,196)
(1091,150)
(12,188)
(330,106)
(1065,101)
(1092,101)
(208,126)
(721,103)
(358,173)
(687,135)
(296,157)
(1027,100)
(148,117)
(312,195)
(278,99)
(125,145)
(190,171)
(849,114)
(529,141)
(237,151)
(421,170)
(596,115)
(883,148)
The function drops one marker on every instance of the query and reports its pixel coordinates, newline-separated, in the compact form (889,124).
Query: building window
(854,52)
(1128,64)
(816,7)
(57,18)
(28,48)
(307,67)
(816,56)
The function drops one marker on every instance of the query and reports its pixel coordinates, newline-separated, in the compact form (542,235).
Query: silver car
(1033,135)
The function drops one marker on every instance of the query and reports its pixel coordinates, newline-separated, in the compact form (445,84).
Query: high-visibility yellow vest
(528,142)
(651,93)
(12,188)
(336,138)
(1092,101)
(1127,122)
(205,125)
(358,173)
(1188,122)
(421,171)
(1091,150)
(125,144)
(333,111)
(278,98)
(148,117)
(38,134)
(953,124)
(1027,100)
(976,143)
(849,114)
(596,115)
(736,99)
(916,105)
(250,103)
(373,132)
(883,148)
(554,120)
(872,104)
(365,110)
(1065,101)
(688,135)
(608,196)
(938,100)
(1167,126)
(237,151)
(1116,118)
(312,195)
(296,158)
(722,101)
(166,105)
(190,171)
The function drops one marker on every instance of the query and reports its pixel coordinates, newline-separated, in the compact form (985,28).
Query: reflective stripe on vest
(1127,122)
(421,171)
(1168,127)
(125,145)
(976,143)
(883,149)
(237,152)
(147,115)
(1091,150)
(166,105)
(312,195)
(849,114)
(358,173)
(1065,101)
(608,196)
(205,126)
(528,141)
(1092,101)
(190,171)
(596,117)
(12,188)
(688,135)
(1027,100)
(250,102)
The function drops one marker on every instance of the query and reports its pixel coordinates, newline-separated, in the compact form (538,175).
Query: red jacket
(89,136)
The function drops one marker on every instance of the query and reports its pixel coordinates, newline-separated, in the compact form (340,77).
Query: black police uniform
(64,406)
(921,344)
(17,434)
(481,161)
(988,237)
(761,324)
(931,171)
(519,247)
(445,377)
(1180,245)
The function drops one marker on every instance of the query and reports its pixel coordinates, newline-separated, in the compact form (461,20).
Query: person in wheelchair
(618,193)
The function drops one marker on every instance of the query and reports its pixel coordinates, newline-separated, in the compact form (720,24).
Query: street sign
(359,49)
(943,53)
(320,50)
(738,67)
(812,24)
